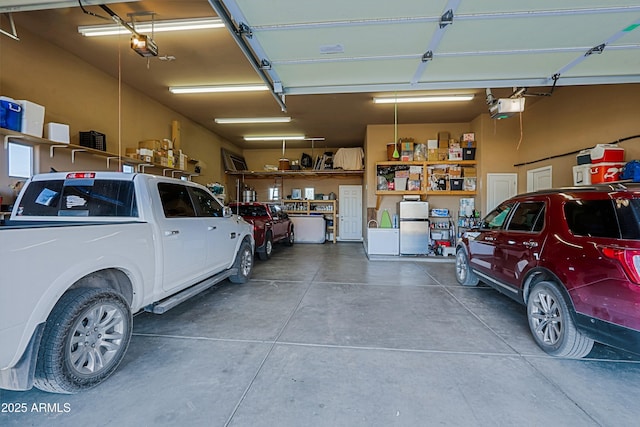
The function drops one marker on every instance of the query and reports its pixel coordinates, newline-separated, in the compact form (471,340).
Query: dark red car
(270,222)
(572,256)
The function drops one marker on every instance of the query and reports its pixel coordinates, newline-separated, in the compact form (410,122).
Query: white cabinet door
(350,212)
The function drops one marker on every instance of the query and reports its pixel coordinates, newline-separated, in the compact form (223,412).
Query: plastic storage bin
(10,115)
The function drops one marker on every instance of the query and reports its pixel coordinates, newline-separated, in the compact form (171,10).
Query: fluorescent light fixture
(244,120)
(145,27)
(275,138)
(215,89)
(430,98)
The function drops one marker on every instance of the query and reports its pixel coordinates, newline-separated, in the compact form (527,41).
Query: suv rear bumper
(609,333)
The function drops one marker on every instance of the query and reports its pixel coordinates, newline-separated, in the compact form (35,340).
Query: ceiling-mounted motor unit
(506,107)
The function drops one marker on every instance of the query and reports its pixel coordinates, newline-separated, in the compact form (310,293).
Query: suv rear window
(79,197)
(612,218)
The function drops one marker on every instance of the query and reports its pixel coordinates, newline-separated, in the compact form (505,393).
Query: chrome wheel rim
(291,237)
(268,247)
(461,267)
(546,318)
(96,340)
(245,262)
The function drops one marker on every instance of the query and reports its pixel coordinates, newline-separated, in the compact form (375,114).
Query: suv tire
(551,323)
(464,275)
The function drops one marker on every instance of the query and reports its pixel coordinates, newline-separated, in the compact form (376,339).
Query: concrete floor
(323,337)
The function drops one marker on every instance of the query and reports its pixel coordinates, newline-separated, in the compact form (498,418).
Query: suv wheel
(464,275)
(551,323)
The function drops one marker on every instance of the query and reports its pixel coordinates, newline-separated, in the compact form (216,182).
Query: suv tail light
(629,258)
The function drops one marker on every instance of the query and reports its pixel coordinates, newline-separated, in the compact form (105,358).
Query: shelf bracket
(109,158)
(165,170)
(173,173)
(141,166)
(73,153)
(52,149)
(6,139)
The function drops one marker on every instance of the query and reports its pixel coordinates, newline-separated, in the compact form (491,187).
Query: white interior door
(350,212)
(539,179)
(500,187)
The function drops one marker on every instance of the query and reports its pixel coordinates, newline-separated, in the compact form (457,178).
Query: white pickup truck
(82,251)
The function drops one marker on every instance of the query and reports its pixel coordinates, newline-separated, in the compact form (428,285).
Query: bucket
(283,164)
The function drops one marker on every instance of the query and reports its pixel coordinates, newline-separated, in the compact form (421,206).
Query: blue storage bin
(10,115)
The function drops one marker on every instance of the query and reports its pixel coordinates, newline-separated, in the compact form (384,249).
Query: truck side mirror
(227,212)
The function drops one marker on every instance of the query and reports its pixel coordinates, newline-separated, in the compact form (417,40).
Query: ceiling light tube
(431,98)
(215,89)
(146,27)
(244,120)
(275,138)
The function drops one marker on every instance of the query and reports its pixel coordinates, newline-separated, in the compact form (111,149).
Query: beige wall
(76,93)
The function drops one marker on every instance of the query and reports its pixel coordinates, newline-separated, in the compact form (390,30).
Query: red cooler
(607,153)
(606,172)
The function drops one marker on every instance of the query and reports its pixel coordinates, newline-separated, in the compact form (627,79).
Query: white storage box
(32,118)
(58,132)
(383,241)
(309,229)
(582,175)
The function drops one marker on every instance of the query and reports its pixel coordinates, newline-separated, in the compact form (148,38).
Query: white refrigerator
(414,228)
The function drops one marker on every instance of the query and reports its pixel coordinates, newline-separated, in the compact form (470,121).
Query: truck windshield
(79,197)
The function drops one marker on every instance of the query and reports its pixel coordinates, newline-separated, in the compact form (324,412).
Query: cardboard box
(415,169)
(414,176)
(467,172)
(455,153)
(444,136)
(432,154)
(58,132)
(402,174)
(131,152)
(443,154)
(468,137)
(151,144)
(406,146)
(432,143)
(454,143)
(455,172)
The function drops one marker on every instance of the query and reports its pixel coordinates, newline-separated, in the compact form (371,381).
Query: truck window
(206,205)
(496,218)
(176,202)
(79,197)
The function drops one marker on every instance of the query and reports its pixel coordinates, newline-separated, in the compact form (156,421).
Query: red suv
(572,256)
(270,224)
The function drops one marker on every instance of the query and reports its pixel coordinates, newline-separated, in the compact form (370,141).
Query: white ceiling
(489,43)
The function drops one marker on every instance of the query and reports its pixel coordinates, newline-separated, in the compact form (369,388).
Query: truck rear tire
(84,341)
(243,264)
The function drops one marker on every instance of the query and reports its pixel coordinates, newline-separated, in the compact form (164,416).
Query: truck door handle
(211,227)
(531,244)
(233,235)
(489,239)
(171,232)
